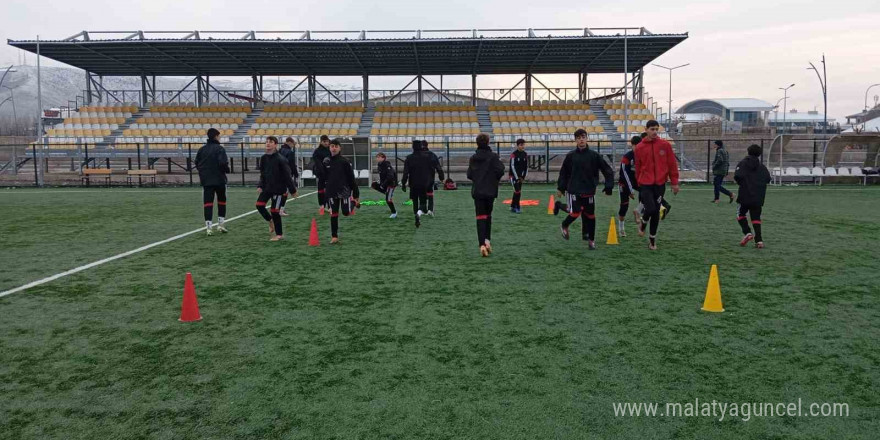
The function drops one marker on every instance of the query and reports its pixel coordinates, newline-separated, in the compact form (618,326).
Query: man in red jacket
(655,164)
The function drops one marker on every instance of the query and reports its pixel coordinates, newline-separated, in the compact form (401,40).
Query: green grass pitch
(403,333)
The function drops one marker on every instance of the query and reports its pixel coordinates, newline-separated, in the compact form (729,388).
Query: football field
(399,332)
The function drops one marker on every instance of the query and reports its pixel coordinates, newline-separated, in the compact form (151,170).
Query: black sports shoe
(564,232)
(592,245)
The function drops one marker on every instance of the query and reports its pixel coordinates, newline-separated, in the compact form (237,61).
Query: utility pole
(669,110)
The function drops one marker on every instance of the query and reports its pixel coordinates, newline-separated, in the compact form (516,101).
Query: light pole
(8,70)
(785,102)
(823,81)
(669,110)
(866,94)
(776,117)
(14,114)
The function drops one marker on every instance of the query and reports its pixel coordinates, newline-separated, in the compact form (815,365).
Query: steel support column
(257,87)
(366,91)
(419,97)
(474,89)
(529,88)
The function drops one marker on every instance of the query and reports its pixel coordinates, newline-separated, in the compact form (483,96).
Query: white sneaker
(431,213)
(420,213)
(393,215)
(209,231)
(222,228)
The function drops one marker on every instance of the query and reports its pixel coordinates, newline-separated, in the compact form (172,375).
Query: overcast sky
(742,49)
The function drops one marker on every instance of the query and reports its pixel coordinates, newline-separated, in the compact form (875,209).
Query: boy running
(387,181)
(579,177)
(518,169)
(342,190)
(720,166)
(435,168)
(318,156)
(213,165)
(275,182)
(485,170)
(418,171)
(628,186)
(655,164)
(752,177)
(288,150)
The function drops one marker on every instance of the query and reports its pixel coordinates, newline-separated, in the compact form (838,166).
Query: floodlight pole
(823,81)
(39,165)
(669,109)
(785,105)
(866,93)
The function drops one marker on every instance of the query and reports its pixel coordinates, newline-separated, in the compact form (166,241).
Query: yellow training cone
(550,205)
(612,233)
(712,303)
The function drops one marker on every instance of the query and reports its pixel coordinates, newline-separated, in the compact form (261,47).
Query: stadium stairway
(484,119)
(243,128)
(111,140)
(605,120)
(366,124)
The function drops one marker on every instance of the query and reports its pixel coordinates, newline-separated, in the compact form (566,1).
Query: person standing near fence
(518,169)
(752,177)
(655,165)
(288,150)
(275,181)
(435,168)
(720,167)
(628,186)
(387,181)
(321,152)
(485,170)
(418,171)
(342,189)
(212,163)
(579,177)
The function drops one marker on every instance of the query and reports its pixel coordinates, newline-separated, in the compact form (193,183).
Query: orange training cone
(189,311)
(313,234)
(612,233)
(712,303)
(551,204)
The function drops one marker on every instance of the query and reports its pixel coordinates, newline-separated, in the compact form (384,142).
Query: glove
(326,162)
(607,190)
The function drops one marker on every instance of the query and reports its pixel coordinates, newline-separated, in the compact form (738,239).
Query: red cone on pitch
(189,311)
(313,234)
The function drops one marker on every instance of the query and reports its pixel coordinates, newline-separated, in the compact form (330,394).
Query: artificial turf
(405,333)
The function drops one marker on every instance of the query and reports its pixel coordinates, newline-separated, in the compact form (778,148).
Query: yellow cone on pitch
(612,233)
(551,204)
(712,303)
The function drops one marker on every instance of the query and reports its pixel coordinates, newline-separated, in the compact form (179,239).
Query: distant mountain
(61,86)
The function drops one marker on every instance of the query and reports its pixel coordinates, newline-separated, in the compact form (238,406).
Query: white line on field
(118,256)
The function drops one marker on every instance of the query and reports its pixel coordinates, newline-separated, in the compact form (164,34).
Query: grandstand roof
(200,53)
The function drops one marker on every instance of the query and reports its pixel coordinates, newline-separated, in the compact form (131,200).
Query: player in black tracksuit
(288,150)
(275,182)
(628,186)
(418,172)
(435,168)
(387,181)
(342,190)
(578,177)
(517,169)
(212,163)
(752,177)
(318,156)
(485,170)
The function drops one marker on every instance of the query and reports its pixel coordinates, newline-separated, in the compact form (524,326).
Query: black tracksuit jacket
(275,177)
(580,172)
(387,174)
(290,155)
(485,170)
(212,163)
(318,157)
(418,170)
(340,178)
(752,177)
(519,164)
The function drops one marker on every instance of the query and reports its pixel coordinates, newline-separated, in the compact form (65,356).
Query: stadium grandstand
(167,124)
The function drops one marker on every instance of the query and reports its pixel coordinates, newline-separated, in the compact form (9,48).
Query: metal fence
(65,164)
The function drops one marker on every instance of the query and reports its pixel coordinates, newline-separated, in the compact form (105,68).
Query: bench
(137,174)
(105,173)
